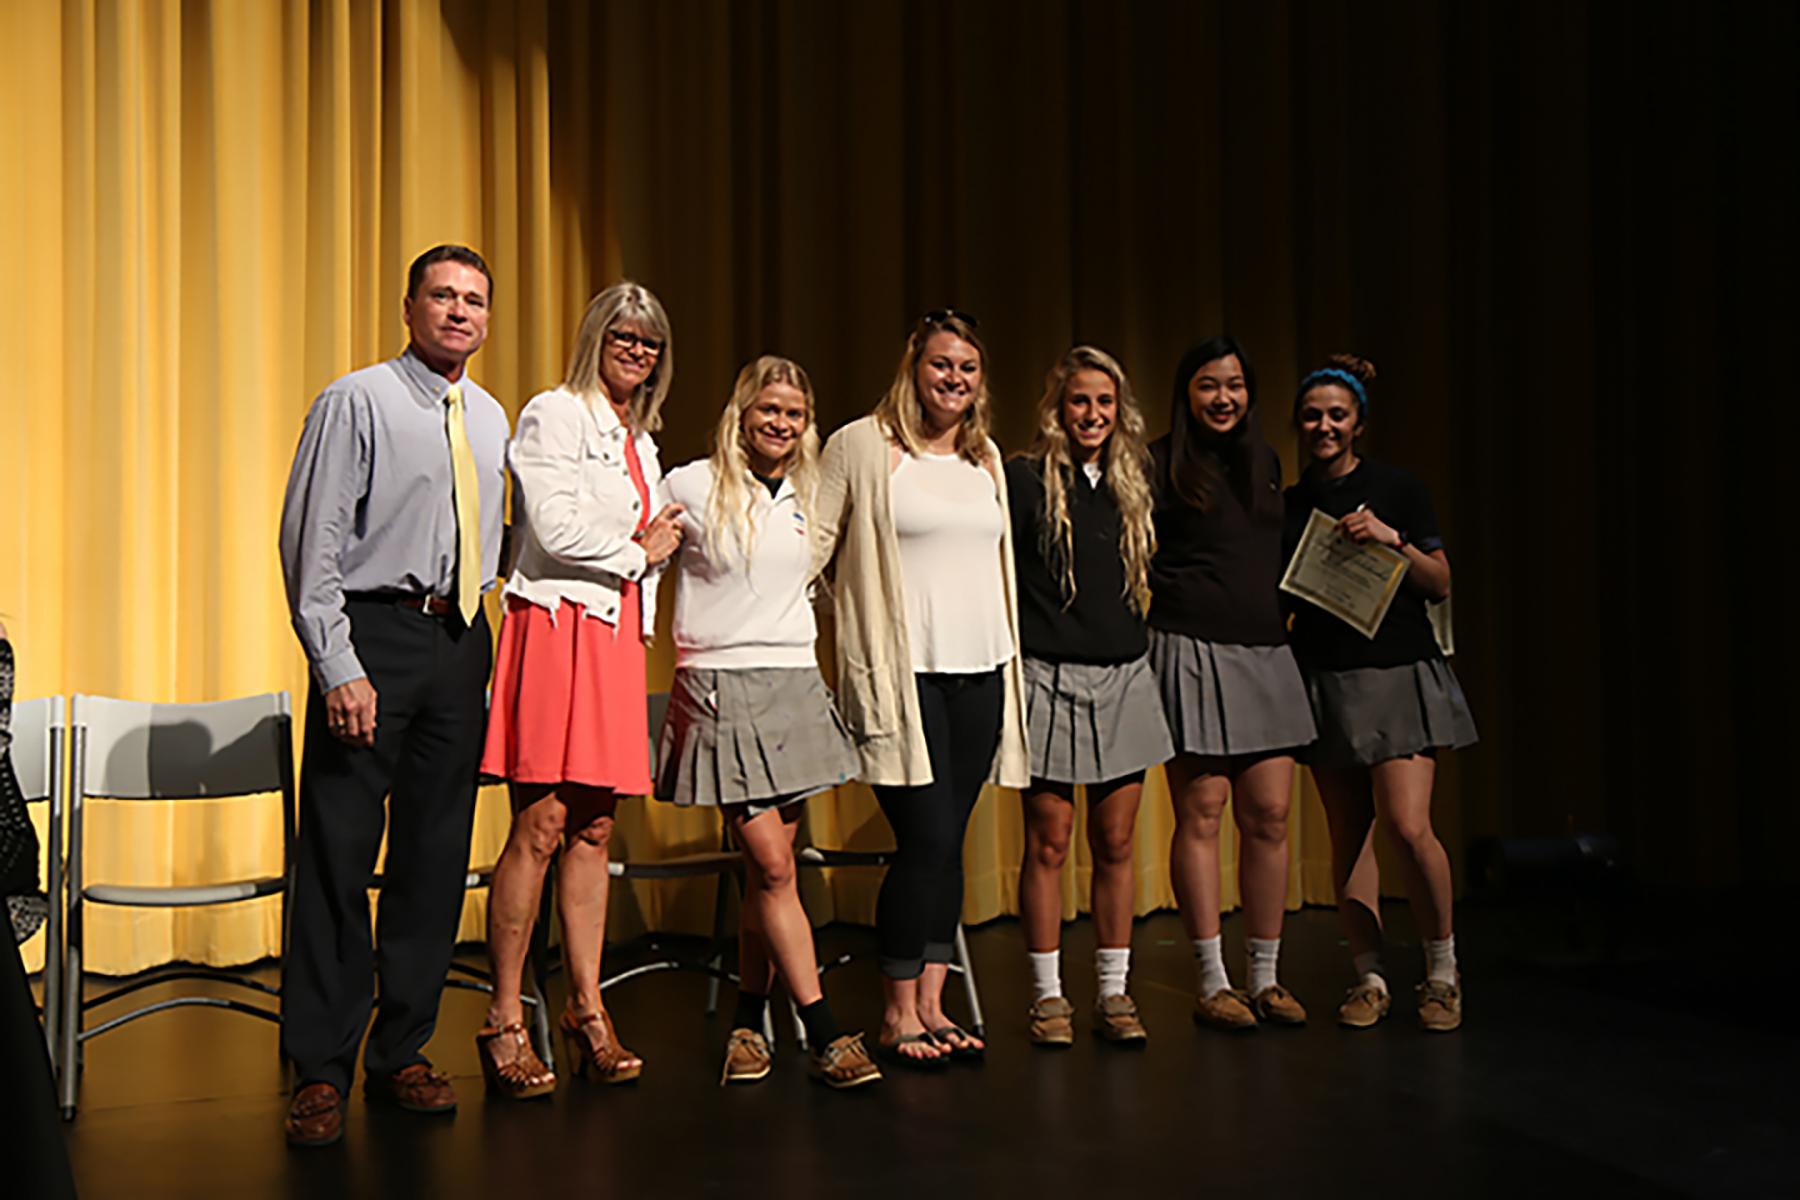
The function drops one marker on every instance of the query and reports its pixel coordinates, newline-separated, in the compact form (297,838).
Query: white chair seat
(182,897)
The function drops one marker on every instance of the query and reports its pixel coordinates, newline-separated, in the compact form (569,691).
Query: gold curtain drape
(209,212)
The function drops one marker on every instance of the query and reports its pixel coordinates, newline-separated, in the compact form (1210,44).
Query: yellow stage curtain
(208,214)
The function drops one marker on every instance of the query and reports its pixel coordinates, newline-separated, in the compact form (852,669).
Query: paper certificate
(1351,582)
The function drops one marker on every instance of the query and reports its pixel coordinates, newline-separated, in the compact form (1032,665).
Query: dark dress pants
(430,675)
(35,1162)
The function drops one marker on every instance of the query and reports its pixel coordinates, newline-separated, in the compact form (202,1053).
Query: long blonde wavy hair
(623,301)
(1125,460)
(899,408)
(730,512)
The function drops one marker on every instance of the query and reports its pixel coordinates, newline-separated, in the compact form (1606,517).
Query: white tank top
(948,523)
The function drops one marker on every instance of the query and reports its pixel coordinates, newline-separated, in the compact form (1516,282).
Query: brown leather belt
(434,606)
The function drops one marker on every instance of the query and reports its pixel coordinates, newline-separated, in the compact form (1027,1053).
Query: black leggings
(921,897)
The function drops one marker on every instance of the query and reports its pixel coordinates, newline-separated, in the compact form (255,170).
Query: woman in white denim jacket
(566,727)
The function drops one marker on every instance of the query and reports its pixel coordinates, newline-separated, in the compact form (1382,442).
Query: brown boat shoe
(1440,1005)
(1278,1005)
(747,1057)
(1228,1009)
(1116,1020)
(415,1088)
(845,1063)
(315,1117)
(1052,1022)
(1364,1006)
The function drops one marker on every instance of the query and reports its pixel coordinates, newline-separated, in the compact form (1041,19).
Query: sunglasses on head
(939,316)
(631,340)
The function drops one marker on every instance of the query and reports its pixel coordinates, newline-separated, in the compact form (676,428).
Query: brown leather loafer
(416,1088)
(1440,1005)
(1227,1009)
(1276,1005)
(1052,1022)
(1364,1005)
(316,1116)
(845,1063)
(746,1057)
(1116,1020)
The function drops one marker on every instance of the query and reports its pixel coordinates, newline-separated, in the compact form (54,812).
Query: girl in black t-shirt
(1384,705)
(1082,541)
(1233,696)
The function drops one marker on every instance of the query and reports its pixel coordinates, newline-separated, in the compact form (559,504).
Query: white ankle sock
(1209,957)
(1113,966)
(1370,972)
(1440,960)
(1264,955)
(1046,973)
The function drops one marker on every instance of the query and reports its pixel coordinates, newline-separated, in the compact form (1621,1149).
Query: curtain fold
(217,202)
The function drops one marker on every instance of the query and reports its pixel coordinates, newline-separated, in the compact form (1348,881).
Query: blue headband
(1336,375)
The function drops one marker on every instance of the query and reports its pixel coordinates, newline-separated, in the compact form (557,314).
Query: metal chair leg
(969,989)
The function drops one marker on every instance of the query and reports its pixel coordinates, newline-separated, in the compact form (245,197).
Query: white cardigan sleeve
(546,457)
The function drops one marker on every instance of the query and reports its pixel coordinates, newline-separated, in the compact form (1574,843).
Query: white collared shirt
(735,611)
(577,507)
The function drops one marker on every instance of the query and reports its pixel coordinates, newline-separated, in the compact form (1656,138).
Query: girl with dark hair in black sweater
(1231,691)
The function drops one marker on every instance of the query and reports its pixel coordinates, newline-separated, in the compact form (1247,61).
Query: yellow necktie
(465,491)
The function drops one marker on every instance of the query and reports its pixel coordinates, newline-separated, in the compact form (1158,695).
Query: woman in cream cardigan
(912,520)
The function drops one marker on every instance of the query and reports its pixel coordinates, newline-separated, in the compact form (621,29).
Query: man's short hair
(447,253)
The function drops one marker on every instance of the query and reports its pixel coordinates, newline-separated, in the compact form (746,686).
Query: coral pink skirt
(569,699)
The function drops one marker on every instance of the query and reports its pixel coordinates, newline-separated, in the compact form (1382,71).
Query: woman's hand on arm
(1428,572)
(661,538)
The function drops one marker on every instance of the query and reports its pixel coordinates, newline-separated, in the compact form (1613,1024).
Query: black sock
(752,1011)
(821,1026)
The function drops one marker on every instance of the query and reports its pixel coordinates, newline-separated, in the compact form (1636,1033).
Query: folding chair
(127,750)
(813,856)
(723,863)
(39,727)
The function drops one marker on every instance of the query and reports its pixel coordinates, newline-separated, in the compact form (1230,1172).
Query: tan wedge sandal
(594,1046)
(511,1065)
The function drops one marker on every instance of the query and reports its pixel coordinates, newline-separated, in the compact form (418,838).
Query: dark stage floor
(1565,1080)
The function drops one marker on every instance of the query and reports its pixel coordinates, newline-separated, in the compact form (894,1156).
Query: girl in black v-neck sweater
(1232,694)
(1082,541)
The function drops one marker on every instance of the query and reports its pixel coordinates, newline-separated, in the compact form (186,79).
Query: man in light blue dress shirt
(372,549)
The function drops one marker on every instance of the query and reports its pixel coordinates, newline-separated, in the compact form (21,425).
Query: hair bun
(1362,368)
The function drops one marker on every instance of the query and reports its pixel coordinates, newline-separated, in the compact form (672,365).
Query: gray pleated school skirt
(761,736)
(1093,723)
(1223,700)
(1372,714)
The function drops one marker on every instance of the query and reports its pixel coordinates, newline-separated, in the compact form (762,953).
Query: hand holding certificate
(1352,582)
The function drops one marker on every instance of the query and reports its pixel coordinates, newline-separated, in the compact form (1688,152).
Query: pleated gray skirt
(1222,700)
(762,736)
(1091,722)
(1372,714)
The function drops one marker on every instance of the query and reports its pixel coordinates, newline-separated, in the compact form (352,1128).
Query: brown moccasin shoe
(416,1088)
(1277,1005)
(747,1057)
(1363,1006)
(315,1117)
(1052,1022)
(1116,1020)
(1440,1005)
(1227,1009)
(845,1063)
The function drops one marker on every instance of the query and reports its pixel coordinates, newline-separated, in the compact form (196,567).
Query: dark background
(1563,232)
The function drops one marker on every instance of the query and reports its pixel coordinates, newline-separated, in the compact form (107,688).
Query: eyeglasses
(938,316)
(651,346)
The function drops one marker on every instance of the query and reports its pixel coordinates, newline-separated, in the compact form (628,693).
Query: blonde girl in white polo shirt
(751,727)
